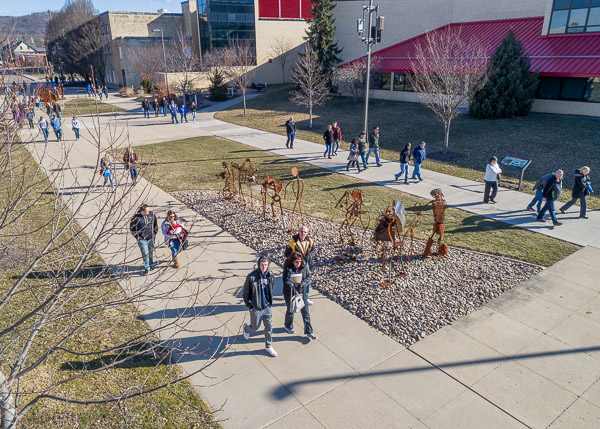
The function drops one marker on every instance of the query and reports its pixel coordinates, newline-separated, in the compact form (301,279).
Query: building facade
(562,38)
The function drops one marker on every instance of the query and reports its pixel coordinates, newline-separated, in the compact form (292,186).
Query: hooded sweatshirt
(258,288)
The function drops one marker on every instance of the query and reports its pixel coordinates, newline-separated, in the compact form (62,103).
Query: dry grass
(551,141)
(171,171)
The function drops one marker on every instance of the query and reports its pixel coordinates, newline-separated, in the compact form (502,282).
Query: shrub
(217,88)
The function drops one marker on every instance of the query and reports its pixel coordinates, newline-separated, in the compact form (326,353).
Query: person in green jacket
(362,147)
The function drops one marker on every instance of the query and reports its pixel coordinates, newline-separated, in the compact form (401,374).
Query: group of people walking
(163,106)
(107,167)
(258,290)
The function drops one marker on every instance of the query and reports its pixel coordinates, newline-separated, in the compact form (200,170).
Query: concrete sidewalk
(530,358)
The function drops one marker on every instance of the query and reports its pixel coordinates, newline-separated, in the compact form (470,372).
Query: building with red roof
(563,45)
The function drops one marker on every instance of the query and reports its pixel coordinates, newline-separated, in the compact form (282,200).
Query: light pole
(373,37)
(162,37)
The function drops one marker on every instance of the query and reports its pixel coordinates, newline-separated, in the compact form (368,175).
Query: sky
(16,8)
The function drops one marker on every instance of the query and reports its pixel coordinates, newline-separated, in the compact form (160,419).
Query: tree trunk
(310,117)
(244,97)
(8,412)
(446,137)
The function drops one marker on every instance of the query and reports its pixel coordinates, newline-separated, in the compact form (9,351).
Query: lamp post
(373,36)
(162,37)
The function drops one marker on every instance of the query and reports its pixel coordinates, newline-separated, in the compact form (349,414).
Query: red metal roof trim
(569,55)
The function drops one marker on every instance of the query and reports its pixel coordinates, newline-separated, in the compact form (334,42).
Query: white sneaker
(246,334)
(309,301)
(271,351)
(312,336)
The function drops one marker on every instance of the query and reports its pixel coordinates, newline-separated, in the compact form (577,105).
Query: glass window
(578,17)
(592,90)
(386,81)
(399,79)
(573,88)
(562,4)
(577,4)
(594,18)
(558,24)
(595,3)
(549,88)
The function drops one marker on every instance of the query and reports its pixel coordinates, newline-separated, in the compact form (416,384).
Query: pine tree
(217,88)
(320,34)
(510,89)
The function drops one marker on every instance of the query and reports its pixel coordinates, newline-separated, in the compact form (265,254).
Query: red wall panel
(290,9)
(306,9)
(268,8)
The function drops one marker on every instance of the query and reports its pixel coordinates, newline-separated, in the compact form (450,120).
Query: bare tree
(148,61)
(281,51)
(58,299)
(184,62)
(312,80)
(240,60)
(352,77)
(448,70)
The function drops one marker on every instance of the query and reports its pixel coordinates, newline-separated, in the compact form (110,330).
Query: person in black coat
(328,137)
(295,268)
(290,129)
(552,191)
(581,189)
(144,226)
(404,160)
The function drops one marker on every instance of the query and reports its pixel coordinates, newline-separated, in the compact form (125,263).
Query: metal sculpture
(271,188)
(352,203)
(247,175)
(46,93)
(390,225)
(298,190)
(228,191)
(438,206)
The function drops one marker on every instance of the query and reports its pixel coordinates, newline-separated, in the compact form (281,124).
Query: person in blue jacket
(419,155)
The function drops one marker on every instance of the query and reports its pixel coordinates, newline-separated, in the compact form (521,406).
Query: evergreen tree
(510,89)
(320,34)
(218,87)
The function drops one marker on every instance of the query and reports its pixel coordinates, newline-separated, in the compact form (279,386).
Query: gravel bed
(434,293)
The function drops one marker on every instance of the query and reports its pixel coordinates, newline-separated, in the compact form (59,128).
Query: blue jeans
(417,171)
(174,245)
(290,139)
(146,113)
(58,133)
(582,205)
(174,118)
(289,316)
(403,170)
(183,116)
(134,174)
(336,144)
(76,133)
(256,317)
(364,159)
(537,199)
(45,133)
(109,179)
(194,116)
(327,150)
(549,206)
(371,150)
(147,248)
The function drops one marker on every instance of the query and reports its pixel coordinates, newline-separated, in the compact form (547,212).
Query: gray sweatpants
(258,316)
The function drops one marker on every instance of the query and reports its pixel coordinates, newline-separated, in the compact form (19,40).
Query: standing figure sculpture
(272,188)
(352,203)
(438,205)
(246,175)
(298,190)
(228,191)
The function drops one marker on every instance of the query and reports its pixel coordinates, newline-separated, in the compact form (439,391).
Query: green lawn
(552,142)
(171,171)
(87,106)
(162,408)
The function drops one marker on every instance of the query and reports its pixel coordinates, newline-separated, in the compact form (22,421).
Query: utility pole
(373,36)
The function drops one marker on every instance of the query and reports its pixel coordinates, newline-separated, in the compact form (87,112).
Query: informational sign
(518,163)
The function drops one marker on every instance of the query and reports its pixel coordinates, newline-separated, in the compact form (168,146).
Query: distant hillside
(26,27)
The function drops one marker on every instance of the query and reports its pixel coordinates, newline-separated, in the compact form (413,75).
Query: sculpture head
(437,194)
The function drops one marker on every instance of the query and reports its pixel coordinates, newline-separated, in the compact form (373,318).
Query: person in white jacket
(166,224)
(492,175)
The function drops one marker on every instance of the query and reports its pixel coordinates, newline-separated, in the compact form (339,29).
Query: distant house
(22,53)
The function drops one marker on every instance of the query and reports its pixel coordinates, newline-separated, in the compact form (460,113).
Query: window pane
(559,21)
(580,3)
(594,18)
(399,81)
(595,29)
(577,18)
(592,90)
(562,4)
(549,88)
(595,3)
(386,81)
(573,88)
(575,29)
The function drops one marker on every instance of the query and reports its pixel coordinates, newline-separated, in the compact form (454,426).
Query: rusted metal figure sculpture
(271,187)
(228,191)
(387,232)
(438,205)
(298,190)
(247,175)
(46,93)
(352,203)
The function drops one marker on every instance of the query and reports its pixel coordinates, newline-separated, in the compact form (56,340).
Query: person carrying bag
(295,280)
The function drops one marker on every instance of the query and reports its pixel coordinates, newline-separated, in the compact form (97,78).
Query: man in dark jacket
(362,148)
(258,297)
(539,190)
(373,147)
(146,108)
(304,245)
(581,189)
(551,192)
(144,226)
(419,155)
(290,129)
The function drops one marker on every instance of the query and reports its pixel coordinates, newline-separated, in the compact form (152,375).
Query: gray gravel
(434,293)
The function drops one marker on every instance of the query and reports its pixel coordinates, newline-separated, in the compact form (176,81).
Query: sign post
(516,163)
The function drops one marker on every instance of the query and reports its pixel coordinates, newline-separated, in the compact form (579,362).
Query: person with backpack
(130,160)
(290,129)
(144,226)
(539,190)
(176,237)
(295,279)
(552,191)
(106,167)
(581,189)
(257,294)
(337,137)
(404,160)
(419,155)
